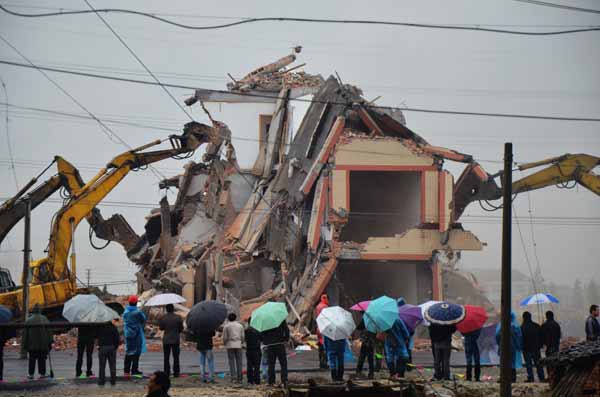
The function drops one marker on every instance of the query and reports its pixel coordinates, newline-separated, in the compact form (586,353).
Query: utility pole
(505,335)
(88,273)
(25,276)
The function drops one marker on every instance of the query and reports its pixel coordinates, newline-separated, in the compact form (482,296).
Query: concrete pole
(505,337)
(26,260)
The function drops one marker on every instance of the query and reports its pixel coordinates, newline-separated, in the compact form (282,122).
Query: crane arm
(13,210)
(82,203)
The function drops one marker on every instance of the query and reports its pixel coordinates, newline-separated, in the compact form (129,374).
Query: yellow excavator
(53,282)
(475,184)
(68,178)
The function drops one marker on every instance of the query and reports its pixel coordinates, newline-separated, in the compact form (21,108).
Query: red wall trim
(442,201)
(402,257)
(353,167)
(423,196)
(437,278)
(348,191)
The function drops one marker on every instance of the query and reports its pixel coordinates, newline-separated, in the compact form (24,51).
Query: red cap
(133,300)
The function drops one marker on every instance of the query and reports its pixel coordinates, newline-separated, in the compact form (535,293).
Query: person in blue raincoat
(135,342)
(335,350)
(396,350)
(516,345)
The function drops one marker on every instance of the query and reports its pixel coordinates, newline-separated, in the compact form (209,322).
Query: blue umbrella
(445,313)
(538,299)
(381,314)
(5,314)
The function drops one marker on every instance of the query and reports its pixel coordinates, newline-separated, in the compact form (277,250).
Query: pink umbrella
(361,306)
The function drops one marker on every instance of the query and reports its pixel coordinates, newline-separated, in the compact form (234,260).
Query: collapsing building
(350,202)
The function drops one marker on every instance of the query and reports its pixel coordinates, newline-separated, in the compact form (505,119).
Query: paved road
(63,362)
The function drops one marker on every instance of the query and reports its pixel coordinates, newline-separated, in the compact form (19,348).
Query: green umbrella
(381,314)
(268,316)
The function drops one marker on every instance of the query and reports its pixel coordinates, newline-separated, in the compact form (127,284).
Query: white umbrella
(164,299)
(335,323)
(87,309)
(424,307)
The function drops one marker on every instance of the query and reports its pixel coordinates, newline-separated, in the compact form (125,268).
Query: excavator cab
(6,282)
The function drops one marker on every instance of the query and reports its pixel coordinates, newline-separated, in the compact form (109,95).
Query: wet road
(63,362)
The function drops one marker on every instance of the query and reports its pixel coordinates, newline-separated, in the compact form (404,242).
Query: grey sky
(417,67)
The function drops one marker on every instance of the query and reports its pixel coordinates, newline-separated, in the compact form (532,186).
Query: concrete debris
(357,205)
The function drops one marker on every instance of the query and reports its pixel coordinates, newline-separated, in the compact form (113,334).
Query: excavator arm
(83,201)
(475,184)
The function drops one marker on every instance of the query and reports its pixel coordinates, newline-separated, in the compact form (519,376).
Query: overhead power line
(139,60)
(301,20)
(561,6)
(8,142)
(275,97)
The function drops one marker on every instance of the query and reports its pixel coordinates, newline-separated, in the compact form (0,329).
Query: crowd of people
(264,349)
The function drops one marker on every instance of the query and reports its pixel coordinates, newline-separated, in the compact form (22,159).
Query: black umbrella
(206,316)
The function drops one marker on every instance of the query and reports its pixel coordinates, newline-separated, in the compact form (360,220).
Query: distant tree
(578,301)
(592,294)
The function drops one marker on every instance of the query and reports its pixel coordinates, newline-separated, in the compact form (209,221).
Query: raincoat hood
(324,299)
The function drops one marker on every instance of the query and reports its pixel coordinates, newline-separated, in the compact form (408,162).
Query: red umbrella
(475,317)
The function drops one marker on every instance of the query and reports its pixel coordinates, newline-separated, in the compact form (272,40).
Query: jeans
(167,349)
(132,363)
(253,358)
(207,355)
(264,364)
(40,358)
(107,354)
(533,359)
(234,356)
(277,352)
(366,351)
(88,349)
(336,363)
(442,361)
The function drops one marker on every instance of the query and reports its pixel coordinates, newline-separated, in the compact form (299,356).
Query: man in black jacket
(441,344)
(85,344)
(551,334)
(172,325)
(275,341)
(367,350)
(532,343)
(253,354)
(592,326)
(108,342)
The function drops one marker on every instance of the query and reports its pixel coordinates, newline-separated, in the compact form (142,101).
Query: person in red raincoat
(323,303)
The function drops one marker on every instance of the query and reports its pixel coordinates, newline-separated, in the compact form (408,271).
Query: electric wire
(8,141)
(561,6)
(139,60)
(103,127)
(276,97)
(301,20)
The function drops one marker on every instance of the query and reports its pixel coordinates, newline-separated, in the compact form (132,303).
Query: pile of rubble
(274,231)
(575,371)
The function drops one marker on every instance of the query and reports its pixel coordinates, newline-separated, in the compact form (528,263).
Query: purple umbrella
(411,315)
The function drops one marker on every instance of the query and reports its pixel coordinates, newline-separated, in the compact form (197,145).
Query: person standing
(5,334)
(551,334)
(108,343)
(532,343)
(367,350)
(204,344)
(37,341)
(592,326)
(234,340)
(135,340)
(172,325)
(323,303)
(441,339)
(396,351)
(158,385)
(275,341)
(335,350)
(253,355)
(516,344)
(85,344)
(472,354)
